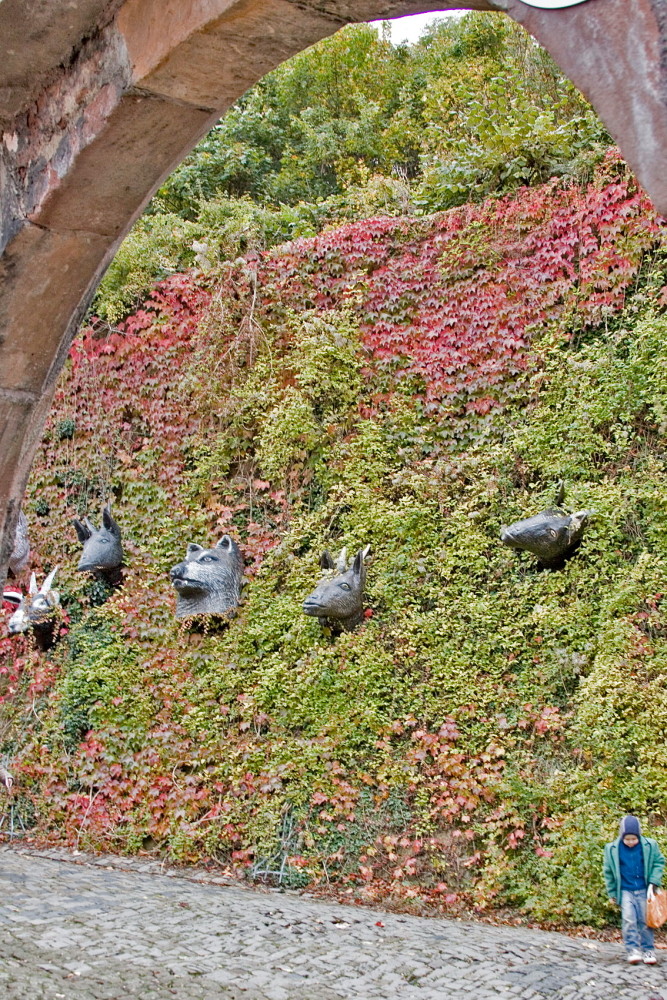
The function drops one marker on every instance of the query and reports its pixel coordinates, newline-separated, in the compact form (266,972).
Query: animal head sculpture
(6,778)
(552,535)
(208,581)
(20,556)
(36,612)
(338,599)
(102,549)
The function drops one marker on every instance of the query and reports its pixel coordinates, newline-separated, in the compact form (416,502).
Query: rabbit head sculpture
(36,612)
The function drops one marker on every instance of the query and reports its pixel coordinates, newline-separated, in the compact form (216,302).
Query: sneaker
(634,957)
(649,958)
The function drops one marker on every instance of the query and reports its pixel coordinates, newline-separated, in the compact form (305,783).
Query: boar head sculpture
(102,549)
(553,535)
(20,556)
(338,599)
(37,612)
(209,581)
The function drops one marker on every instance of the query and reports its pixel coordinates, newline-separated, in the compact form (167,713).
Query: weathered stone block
(138,144)
(43,276)
(220,61)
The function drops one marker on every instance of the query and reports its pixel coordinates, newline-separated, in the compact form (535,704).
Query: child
(633,867)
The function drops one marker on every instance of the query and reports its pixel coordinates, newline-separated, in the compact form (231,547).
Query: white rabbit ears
(46,586)
(33,589)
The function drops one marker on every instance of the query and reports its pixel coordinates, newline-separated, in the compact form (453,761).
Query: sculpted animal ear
(359,560)
(326,560)
(82,532)
(46,586)
(33,589)
(109,523)
(224,543)
(89,525)
(193,550)
(560,493)
(341,564)
(578,520)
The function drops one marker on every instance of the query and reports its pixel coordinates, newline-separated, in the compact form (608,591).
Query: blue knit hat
(629,825)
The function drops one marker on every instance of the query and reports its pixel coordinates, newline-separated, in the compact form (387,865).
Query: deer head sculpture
(208,581)
(36,612)
(553,535)
(338,598)
(102,549)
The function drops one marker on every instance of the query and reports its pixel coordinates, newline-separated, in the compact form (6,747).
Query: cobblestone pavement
(94,932)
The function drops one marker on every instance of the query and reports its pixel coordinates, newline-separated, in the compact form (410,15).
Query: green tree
(355,126)
(474,107)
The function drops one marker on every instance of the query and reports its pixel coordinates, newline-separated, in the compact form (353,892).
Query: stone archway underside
(101,99)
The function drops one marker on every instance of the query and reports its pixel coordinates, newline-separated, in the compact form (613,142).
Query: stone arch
(101,99)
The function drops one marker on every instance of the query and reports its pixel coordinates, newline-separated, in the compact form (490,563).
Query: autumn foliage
(409,383)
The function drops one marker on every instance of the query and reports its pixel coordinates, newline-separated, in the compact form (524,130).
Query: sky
(408,29)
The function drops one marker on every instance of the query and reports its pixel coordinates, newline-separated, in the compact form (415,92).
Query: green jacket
(654,864)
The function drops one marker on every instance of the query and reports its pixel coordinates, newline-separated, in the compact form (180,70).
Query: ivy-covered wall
(412,384)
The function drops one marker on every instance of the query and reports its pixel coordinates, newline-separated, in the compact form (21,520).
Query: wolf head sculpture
(338,599)
(209,581)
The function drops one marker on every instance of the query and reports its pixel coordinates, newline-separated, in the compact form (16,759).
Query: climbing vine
(409,384)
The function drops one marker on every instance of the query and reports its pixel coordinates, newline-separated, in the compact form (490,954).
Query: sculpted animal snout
(176,573)
(179,578)
(313,604)
(18,623)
